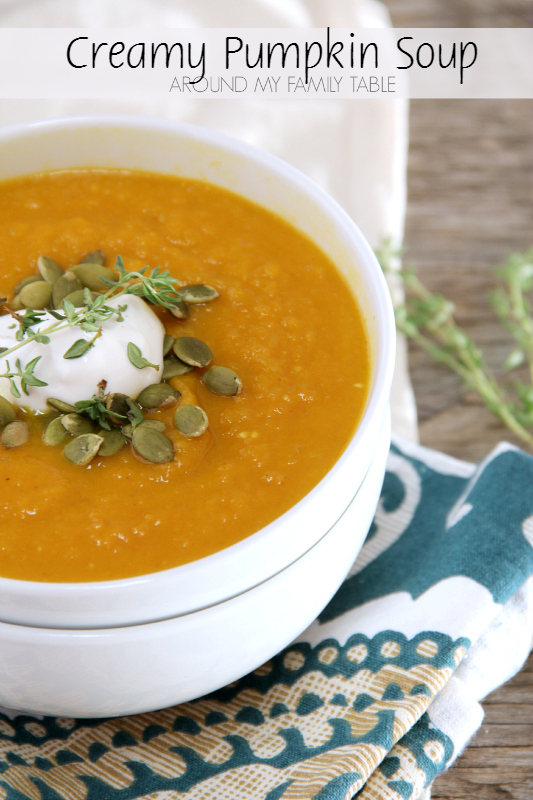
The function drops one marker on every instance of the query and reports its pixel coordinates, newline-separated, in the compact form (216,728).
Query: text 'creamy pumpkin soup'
(179,367)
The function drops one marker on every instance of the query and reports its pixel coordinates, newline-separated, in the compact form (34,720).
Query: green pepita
(117,403)
(135,415)
(26,281)
(49,269)
(94,257)
(223,381)
(76,424)
(15,434)
(83,449)
(15,304)
(60,405)
(113,442)
(90,275)
(156,424)
(180,309)
(190,421)
(158,395)
(173,367)
(55,433)
(198,293)
(127,431)
(36,295)
(168,342)
(152,445)
(193,351)
(7,412)
(77,298)
(67,284)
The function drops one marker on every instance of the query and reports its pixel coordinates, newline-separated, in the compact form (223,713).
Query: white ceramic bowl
(197,153)
(121,647)
(129,670)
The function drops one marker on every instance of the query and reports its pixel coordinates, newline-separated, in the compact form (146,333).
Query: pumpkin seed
(198,293)
(168,342)
(113,442)
(127,431)
(83,448)
(60,405)
(7,412)
(156,424)
(158,395)
(91,276)
(117,403)
(180,309)
(76,424)
(25,281)
(191,421)
(55,433)
(94,257)
(77,298)
(173,367)
(15,304)
(223,381)
(193,351)
(36,295)
(67,284)
(15,434)
(135,415)
(152,445)
(49,269)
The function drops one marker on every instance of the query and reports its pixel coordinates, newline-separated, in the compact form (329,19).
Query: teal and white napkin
(374,700)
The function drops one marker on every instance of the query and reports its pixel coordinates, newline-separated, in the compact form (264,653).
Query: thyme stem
(428,319)
(157,287)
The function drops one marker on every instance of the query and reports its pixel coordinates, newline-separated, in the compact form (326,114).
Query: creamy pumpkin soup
(179,367)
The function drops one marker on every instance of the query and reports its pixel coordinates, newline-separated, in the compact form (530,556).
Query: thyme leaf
(24,374)
(137,358)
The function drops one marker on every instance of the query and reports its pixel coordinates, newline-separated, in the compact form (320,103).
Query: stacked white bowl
(127,646)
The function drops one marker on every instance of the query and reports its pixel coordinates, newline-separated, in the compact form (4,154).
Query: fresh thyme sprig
(26,322)
(157,287)
(25,374)
(514,309)
(428,319)
(96,409)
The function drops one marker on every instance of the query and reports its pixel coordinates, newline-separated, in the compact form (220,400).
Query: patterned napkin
(374,700)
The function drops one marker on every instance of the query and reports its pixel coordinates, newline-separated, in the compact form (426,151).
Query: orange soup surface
(285,321)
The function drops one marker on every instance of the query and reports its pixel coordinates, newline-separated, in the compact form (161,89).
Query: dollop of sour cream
(78,378)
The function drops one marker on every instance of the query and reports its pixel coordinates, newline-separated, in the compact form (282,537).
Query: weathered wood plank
(506,734)
(456,786)
(470,187)
(499,713)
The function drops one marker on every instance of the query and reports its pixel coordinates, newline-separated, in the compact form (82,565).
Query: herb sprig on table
(428,319)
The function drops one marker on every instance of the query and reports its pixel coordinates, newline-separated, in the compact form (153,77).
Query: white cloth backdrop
(356,150)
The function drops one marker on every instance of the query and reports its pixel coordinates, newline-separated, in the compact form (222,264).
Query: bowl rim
(377,400)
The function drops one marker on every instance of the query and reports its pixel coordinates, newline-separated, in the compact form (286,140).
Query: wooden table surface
(470,203)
